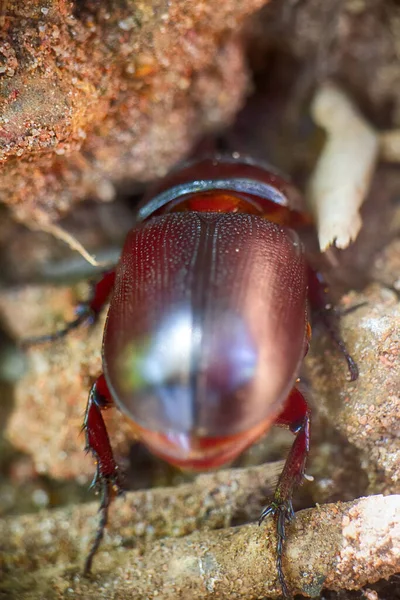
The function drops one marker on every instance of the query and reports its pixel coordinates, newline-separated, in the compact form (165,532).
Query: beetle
(207,327)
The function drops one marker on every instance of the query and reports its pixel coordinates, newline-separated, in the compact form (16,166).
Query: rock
(98,94)
(49,402)
(367,411)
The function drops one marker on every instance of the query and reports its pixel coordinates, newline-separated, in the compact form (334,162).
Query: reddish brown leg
(101,291)
(97,441)
(295,416)
(321,303)
(86,312)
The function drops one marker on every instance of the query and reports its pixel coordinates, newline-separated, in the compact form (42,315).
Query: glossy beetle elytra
(208,326)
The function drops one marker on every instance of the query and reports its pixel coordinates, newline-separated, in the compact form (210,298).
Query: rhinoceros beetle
(208,326)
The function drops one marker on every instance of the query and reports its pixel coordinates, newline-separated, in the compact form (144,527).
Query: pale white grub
(341,179)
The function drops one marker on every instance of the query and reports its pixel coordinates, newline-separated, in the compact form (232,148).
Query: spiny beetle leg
(98,443)
(87,312)
(322,304)
(295,416)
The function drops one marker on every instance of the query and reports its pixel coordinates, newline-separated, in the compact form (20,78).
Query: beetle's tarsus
(351,363)
(86,312)
(110,486)
(82,318)
(343,312)
(330,316)
(283,513)
(103,509)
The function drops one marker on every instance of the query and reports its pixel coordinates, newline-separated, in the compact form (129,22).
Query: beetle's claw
(96,479)
(278,509)
(353,368)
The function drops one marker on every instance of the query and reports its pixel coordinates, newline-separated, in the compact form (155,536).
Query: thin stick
(72,242)
(60,233)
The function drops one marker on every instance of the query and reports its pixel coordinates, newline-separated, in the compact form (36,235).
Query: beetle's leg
(98,442)
(295,416)
(86,311)
(321,303)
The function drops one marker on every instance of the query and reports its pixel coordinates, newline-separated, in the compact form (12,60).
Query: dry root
(337,546)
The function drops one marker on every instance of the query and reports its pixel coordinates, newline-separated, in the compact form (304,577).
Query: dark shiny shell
(207,324)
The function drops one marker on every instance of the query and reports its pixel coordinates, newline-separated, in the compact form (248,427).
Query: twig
(61,234)
(338,546)
(213,500)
